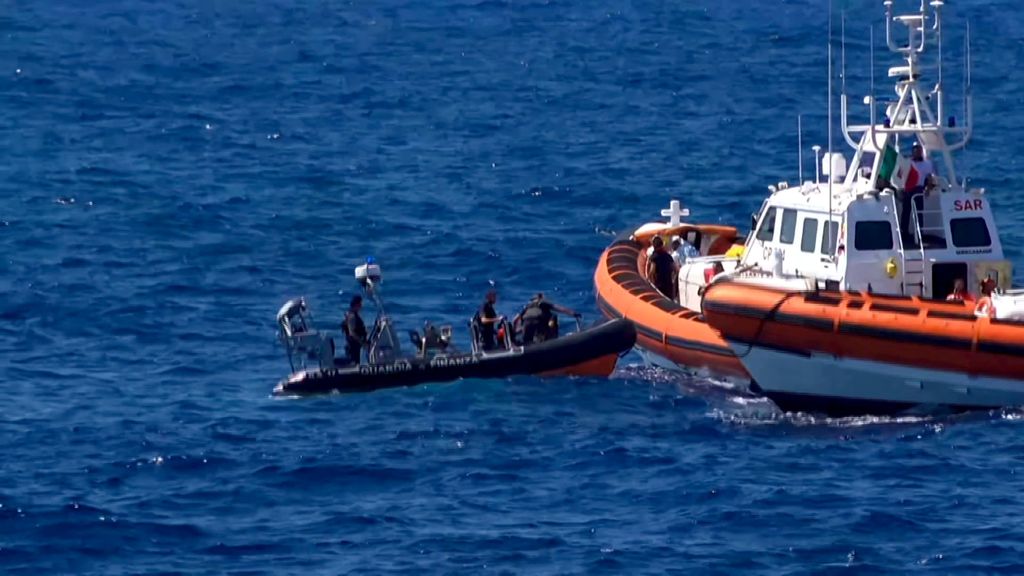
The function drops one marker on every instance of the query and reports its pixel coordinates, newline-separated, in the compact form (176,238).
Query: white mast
(831,160)
(800,147)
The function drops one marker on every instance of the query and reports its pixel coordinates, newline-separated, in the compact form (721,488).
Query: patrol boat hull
(591,352)
(853,353)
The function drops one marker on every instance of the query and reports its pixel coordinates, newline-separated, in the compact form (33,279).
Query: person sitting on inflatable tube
(985,306)
(538,321)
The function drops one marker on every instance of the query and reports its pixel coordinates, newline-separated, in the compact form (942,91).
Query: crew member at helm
(488,320)
(355,330)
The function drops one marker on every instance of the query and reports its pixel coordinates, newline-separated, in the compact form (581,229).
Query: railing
(902,251)
(507,340)
(475,336)
(918,216)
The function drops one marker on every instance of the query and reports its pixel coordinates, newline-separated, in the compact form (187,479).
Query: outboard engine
(384,345)
(301,340)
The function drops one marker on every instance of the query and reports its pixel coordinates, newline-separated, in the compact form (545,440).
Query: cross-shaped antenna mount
(675,211)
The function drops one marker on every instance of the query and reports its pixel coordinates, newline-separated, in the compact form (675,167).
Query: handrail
(903,252)
(920,230)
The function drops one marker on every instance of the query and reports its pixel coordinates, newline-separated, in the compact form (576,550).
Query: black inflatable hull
(579,353)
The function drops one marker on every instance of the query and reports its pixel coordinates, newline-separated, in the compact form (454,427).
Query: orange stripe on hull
(931,334)
(600,367)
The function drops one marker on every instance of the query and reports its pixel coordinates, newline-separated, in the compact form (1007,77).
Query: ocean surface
(173,171)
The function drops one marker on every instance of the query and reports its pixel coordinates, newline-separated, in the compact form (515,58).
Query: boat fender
(984,307)
(736,251)
(891,268)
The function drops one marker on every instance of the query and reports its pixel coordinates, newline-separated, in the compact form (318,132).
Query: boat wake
(733,403)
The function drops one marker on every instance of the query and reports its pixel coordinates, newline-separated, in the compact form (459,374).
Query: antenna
(937,5)
(831,163)
(842,70)
(817,165)
(800,146)
(967,91)
(968,55)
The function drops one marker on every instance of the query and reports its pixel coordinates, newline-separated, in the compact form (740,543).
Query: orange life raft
(932,334)
(664,327)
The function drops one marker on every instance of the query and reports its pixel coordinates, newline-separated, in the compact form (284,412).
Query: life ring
(984,307)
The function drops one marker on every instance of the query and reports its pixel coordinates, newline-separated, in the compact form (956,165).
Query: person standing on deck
(488,320)
(682,251)
(355,330)
(920,177)
(662,271)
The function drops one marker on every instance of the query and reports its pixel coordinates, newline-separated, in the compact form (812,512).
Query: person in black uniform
(661,269)
(538,317)
(355,330)
(488,320)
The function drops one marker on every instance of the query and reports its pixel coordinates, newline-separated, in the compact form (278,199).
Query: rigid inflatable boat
(668,334)
(592,351)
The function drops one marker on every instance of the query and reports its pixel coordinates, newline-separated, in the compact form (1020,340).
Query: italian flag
(895,168)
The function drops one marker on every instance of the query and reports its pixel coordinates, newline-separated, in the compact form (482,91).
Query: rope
(769,316)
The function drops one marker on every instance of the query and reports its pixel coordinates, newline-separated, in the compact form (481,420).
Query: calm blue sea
(173,170)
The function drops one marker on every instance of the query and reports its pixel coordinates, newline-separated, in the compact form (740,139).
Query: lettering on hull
(374,369)
(967,205)
(451,362)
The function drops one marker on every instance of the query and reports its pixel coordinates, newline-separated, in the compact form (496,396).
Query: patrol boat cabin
(888,221)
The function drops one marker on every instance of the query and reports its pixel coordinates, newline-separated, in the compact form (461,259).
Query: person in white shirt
(682,251)
(920,178)
(923,171)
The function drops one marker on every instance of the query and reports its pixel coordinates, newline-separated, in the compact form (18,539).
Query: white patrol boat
(879,286)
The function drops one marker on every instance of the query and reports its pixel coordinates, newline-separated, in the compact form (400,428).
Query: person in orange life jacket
(960,293)
(920,178)
(355,330)
(662,270)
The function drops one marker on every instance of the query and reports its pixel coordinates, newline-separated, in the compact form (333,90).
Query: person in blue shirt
(682,251)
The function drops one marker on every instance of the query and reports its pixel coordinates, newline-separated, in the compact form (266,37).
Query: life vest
(984,307)
(960,297)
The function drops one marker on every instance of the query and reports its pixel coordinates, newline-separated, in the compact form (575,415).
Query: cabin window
(873,235)
(767,230)
(970,233)
(809,235)
(829,234)
(788,234)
